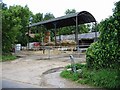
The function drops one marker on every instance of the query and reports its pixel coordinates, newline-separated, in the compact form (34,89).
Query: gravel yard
(30,68)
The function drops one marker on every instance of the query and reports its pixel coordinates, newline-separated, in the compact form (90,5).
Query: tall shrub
(106,52)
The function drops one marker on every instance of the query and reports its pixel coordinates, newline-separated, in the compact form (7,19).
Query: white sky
(100,9)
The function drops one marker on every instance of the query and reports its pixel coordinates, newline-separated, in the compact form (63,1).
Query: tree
(14,22)
(70,11)
(24,14)
(48,16)
(10,29)
(36,18)
(83,28)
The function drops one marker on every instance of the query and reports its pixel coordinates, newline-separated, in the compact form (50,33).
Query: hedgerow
(106,52)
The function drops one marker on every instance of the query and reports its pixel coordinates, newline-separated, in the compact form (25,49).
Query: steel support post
(76,34)
(55,29)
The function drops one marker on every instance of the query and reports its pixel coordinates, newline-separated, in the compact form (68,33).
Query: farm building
(84,39)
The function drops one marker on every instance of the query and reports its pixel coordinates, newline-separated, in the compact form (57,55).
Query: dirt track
(30,69)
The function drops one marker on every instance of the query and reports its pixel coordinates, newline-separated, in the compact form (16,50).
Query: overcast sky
(100,9)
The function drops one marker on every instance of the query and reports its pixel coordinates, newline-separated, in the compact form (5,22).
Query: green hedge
(106,52)
(97,57)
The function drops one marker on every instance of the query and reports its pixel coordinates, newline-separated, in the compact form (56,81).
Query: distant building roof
(90,35)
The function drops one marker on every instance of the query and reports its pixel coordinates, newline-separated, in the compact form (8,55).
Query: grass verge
(104,78)
(4,58)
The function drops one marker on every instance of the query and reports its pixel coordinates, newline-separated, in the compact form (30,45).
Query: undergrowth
(104,78)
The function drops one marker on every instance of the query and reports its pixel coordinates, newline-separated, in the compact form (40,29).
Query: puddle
(43,59)
(53,70)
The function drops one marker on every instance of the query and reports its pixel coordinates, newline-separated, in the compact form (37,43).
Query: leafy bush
(92,56)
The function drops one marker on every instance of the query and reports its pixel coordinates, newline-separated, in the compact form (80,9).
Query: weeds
(7,58)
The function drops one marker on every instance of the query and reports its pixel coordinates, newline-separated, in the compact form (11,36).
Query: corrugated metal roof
(67,20)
